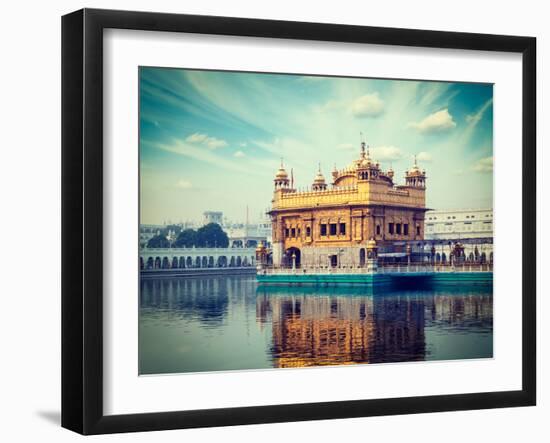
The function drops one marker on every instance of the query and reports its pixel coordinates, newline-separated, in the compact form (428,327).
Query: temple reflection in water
(339,329)
(220,323)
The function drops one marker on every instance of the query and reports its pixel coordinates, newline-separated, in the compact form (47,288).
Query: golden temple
(331,225)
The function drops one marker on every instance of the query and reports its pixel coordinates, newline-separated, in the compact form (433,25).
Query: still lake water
(230,323)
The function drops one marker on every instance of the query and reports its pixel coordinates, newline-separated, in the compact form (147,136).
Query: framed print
(269,221)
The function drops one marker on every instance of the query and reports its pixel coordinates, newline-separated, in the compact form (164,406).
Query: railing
(385,269)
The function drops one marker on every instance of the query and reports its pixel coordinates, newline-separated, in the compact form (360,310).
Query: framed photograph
(268,221)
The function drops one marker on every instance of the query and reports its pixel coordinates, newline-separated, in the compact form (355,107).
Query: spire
(291,178)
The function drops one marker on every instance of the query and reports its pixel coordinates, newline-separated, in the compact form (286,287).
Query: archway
(141,263)
(157,263)
(165,263)
(182,262)
(175,262)
(362,257)
(188,262)
(232,262)
(150,263)
(293,252)
(222,261)
(198,262)
(239,262)
(210,262)
(204,263)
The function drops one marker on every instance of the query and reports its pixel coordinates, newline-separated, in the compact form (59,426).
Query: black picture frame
(82,218)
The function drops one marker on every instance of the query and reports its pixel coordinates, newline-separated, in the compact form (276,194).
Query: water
(229,323)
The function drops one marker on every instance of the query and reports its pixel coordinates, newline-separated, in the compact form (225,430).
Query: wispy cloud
(484,165)
(205,140)
(424,156)
(438,122)
(239,154)
(183,184)
(345,147)
(369,105)
(475,118)
(386,153)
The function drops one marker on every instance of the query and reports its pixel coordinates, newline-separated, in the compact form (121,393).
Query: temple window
(308,231)
(333,228)
(405,229)
(398,228)
(377,229)
(299,232)
(342,229)
(390,228)
(287,232)
(418,230)
(293,232)
(323,229)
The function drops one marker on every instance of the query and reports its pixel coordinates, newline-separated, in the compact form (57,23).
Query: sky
(213,140)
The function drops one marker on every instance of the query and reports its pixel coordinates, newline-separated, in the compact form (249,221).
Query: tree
(186,239)
(158,241)
(210,236)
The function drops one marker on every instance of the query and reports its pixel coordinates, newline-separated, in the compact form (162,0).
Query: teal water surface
(230,323)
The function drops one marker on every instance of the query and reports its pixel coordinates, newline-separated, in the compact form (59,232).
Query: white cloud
(424,157)
(239,154)
(484,165)
(184,184)
(205,140)
(346,147)
(440,121)
(369,105)
(386,153)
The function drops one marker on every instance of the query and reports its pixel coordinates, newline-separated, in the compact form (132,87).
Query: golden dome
(281,173)
(319,178)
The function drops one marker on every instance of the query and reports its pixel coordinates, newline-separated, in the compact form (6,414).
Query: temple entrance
(362,257)
(333,261)
(297,257)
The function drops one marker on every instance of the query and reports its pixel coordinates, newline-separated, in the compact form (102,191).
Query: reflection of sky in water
(227,323)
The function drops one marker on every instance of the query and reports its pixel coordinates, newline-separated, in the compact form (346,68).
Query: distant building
(459,224)
(471,228)
(212,217)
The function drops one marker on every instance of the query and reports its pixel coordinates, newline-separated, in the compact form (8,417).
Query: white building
(212,217)
(459,224)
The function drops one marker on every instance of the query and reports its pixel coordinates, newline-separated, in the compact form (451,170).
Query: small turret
(319,183)
(281,178)
(415,177)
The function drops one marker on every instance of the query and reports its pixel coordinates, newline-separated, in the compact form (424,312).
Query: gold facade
(362,203)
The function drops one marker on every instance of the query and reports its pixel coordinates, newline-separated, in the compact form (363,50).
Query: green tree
(210,236)
(158,241)
(186,239)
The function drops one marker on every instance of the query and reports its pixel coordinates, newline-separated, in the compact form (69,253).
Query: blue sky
(213,140)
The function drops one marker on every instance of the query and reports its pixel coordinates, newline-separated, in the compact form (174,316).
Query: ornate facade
(330,225)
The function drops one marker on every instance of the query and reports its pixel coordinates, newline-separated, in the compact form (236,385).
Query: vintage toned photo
(291,221)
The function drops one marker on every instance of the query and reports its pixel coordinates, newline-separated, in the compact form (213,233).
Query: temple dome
(281,173)
(319,179)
